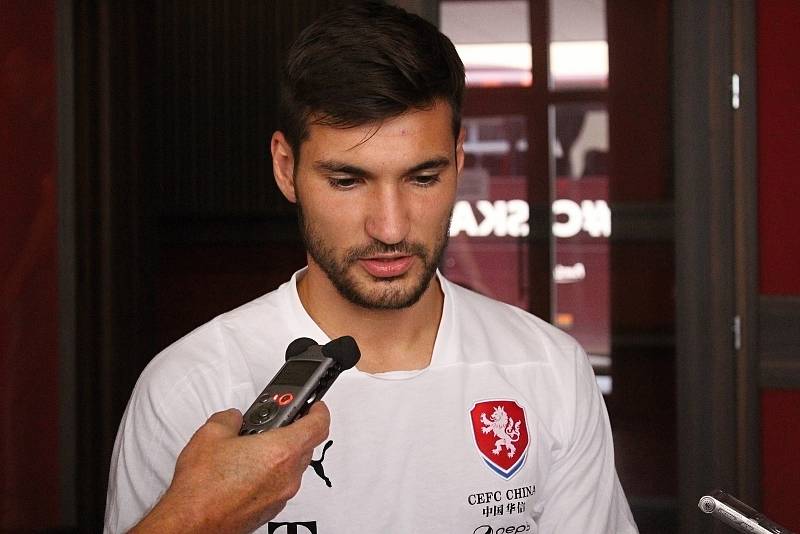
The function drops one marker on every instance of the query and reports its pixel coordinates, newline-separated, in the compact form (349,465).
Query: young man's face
(375,205)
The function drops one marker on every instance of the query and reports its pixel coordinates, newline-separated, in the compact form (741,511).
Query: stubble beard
(394,294)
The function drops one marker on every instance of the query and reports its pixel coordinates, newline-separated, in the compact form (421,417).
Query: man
(464,414)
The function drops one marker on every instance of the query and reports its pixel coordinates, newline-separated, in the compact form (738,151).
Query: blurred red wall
(779,145)
(779,238)
(29,477)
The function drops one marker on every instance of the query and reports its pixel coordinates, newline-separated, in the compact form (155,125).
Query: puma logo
(317,465)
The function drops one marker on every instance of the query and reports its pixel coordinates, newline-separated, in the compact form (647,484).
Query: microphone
(343,350)
(298,346)
(309,372)
(738,515)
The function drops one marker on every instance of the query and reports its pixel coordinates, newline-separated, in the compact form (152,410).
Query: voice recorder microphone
(737,514)
(309,371)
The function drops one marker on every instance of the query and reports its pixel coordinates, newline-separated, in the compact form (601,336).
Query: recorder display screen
(295,373)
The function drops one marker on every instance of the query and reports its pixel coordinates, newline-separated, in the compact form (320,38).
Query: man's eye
(342,183)
(426,180)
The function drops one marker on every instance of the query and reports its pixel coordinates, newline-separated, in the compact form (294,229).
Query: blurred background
(631,176)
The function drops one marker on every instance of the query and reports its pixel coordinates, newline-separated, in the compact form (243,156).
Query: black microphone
(298,346)
(342,349)
(308,373)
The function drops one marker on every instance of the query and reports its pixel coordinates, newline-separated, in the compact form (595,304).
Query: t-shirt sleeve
(582,492)
(162,414)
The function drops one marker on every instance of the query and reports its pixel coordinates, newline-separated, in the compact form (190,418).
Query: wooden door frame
(716,254)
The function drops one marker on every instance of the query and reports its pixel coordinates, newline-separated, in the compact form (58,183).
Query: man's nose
(388,219)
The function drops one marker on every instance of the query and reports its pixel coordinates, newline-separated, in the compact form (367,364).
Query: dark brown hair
(366,63)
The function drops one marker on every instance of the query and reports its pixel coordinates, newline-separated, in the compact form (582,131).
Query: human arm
(582,492)
(228,483)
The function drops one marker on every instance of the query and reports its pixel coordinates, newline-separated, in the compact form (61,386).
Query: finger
(312,429)
(320,409)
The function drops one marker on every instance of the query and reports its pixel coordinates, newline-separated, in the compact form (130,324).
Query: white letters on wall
(511,218)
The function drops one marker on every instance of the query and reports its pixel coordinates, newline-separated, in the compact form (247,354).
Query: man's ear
(283,165)
(460,150)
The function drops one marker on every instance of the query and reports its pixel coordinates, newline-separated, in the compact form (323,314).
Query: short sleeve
(166,408)
(582,492)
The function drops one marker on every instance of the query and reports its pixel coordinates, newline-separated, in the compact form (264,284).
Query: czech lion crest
(501,435)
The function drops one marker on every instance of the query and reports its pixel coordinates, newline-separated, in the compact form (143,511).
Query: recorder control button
(285,399)
(263,413)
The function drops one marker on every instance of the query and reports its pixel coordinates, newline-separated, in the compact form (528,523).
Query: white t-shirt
(505,431)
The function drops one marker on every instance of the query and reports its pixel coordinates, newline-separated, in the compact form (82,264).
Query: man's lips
(387,267)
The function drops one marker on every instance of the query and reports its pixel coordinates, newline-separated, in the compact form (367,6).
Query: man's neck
(389,340)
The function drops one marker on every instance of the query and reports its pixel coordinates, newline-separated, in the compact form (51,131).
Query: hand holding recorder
(226,483)
(231,484)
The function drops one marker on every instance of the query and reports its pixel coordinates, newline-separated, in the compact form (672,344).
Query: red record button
(285,399)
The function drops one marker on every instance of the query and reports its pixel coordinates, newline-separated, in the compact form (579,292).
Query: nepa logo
(302,527)
(501,434)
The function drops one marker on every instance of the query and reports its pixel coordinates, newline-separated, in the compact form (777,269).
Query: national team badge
(501,434)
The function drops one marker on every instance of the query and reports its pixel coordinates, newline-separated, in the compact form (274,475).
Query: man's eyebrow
(333,166)
(433,163)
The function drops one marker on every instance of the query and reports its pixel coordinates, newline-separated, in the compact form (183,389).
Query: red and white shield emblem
(501,434)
